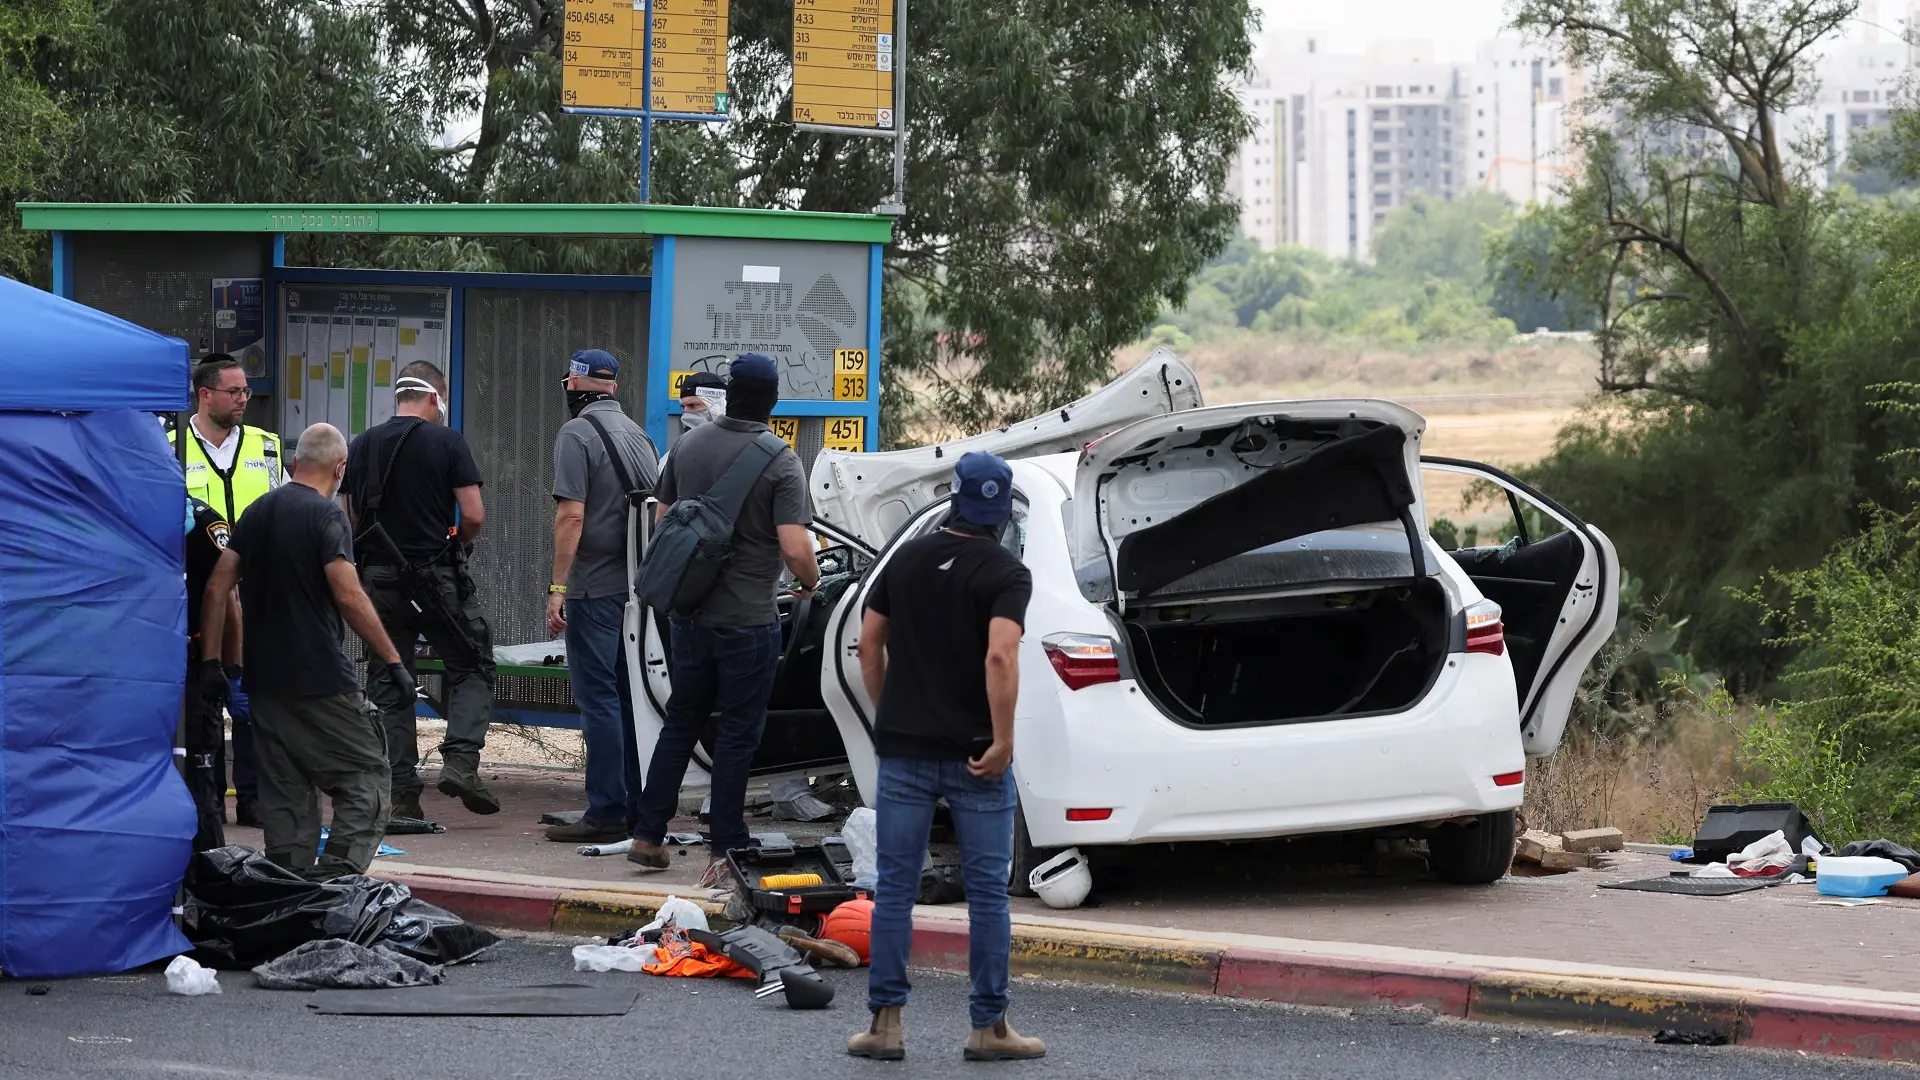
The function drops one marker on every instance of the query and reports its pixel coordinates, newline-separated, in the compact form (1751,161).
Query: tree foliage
(1427,282)
(1065,177)
(1741,311)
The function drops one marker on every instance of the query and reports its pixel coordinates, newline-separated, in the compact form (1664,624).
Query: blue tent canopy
(56,356)
(96,825)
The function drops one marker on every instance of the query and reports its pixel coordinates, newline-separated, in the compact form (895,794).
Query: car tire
(1479,853)
(1025,855)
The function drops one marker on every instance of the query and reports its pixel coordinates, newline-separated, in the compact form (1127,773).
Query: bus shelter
(323,344)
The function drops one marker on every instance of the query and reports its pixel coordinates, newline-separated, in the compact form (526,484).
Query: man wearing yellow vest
(229,465)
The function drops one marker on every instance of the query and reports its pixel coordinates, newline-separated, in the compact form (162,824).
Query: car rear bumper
(1107,748)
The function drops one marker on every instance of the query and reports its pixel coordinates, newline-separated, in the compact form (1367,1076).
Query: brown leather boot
(1001,1043)
(819,950)
(882,1041)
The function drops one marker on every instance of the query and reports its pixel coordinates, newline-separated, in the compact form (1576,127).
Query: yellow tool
(791,881)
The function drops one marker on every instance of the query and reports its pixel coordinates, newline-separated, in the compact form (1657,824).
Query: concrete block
(1567,860)
(1534,845)
(1588,840)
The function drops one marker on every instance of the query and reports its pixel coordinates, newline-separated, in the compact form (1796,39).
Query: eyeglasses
(238,393)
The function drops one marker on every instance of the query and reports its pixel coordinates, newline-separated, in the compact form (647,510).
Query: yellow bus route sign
(843,63)
(604,60)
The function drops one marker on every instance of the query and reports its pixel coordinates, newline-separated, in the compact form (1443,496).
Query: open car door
(867,497)
(1556,579)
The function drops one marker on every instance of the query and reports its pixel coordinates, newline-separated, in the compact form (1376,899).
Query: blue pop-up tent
(96,825)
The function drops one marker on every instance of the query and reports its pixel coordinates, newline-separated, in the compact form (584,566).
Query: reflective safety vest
(256,471)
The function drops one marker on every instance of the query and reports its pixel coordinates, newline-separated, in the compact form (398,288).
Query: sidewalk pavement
(1765,968)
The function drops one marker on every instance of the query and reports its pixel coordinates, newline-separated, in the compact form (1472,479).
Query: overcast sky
(1452,25)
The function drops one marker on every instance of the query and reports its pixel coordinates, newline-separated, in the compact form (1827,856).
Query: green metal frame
(460,219)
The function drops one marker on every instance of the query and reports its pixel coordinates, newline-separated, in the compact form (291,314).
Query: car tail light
(1082,660)
(1485,632)
(1101,814)
(1510,779)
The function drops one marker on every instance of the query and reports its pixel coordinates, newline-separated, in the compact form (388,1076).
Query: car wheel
(1478,853)
(1025,855)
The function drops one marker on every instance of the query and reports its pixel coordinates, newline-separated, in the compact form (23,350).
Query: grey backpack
(694,541)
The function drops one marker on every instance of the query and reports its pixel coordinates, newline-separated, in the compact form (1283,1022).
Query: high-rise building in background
(1341,140)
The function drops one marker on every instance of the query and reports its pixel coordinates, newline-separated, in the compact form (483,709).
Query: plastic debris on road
(333,964)
(793,800)
(611,957)
(678,912)
(864,845)
(243,910)
(385,848)
(189,979)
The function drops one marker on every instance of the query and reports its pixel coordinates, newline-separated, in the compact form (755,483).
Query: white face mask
(690,420)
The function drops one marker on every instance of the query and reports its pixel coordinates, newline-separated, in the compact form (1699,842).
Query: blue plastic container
(1861,875)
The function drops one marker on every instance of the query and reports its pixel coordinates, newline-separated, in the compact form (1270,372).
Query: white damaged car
(1240,627)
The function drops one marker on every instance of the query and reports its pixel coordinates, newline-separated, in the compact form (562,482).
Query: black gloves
(213,683)
(403,681)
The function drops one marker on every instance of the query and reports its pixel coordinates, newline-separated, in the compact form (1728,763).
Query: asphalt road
(129,1026)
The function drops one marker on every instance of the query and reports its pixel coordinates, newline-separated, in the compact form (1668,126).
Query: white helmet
(1062,881)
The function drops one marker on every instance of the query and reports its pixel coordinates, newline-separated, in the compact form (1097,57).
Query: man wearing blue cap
(725,653)
(939,653)
(587,595)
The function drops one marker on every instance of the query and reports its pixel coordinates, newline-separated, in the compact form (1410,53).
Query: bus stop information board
(843,63)
(604,52)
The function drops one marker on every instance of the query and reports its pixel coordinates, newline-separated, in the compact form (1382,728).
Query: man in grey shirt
(723,659)
(587,599)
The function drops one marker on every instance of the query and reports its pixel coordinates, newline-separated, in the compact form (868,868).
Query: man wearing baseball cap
(726,653)
(703,397)
(587,595)
(939,653)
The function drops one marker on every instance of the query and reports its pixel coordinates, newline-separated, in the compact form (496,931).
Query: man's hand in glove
(213,683)
(403,681)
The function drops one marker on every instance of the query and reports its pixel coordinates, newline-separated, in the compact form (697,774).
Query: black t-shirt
(205,541)
(939,593)
(291,625)
(417,504)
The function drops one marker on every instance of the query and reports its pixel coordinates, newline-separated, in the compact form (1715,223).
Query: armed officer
(405,480)
(230,464)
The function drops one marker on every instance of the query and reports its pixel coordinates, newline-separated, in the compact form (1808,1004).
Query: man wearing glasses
(230,465)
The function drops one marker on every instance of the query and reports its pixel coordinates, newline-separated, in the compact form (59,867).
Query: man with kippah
(725,654)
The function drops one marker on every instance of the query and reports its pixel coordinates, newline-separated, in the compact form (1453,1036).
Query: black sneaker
(585,831)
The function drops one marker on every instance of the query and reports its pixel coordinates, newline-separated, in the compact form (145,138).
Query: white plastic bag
(190,979)
(864,845)
(677,912)
(611,957)
(1764,855)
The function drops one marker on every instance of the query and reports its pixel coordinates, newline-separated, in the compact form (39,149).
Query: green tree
(1740,311)
(35,36)
(1440,238)
(1274,276)
(1066,171)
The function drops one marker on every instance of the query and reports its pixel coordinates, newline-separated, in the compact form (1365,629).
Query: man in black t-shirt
(939,653)
(292,556)
(423,473)
(207,675)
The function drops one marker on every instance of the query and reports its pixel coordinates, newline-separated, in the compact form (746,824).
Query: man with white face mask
(703,396)
(413,493)
(292,555)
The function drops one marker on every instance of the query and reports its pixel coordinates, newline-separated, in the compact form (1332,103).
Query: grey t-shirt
(744,595)
(583,473)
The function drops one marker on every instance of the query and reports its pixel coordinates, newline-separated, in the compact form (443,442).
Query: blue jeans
(597,666)
(722,673)
(983,822)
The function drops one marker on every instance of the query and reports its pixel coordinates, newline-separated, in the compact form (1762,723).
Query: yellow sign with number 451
(846,433)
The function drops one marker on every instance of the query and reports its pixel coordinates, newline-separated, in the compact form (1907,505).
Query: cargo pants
(468,682)
(309,745)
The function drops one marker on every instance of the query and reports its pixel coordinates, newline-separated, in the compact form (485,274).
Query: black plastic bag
(243,910)
(1885,849)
